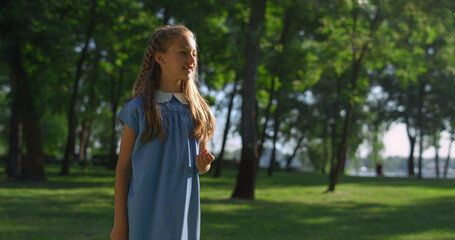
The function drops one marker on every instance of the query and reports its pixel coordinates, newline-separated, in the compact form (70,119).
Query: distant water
(425,173)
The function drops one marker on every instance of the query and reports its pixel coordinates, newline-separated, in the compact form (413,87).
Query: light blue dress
(163,196)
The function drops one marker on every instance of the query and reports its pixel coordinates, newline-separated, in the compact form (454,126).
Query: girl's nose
(192,59)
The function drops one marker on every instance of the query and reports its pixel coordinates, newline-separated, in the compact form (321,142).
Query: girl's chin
(188,76)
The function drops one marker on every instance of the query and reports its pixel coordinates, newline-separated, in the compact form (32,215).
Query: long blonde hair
(149,81)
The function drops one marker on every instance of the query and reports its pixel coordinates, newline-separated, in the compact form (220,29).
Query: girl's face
(179,61)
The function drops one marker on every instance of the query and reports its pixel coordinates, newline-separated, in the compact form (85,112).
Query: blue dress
(163,195)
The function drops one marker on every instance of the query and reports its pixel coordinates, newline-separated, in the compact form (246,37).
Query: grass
(287,206)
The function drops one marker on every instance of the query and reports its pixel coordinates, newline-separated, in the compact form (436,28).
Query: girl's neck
(169,86)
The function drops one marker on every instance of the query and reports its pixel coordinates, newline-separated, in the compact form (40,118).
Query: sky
(397,144)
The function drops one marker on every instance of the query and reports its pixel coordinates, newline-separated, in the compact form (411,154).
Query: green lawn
(287,206)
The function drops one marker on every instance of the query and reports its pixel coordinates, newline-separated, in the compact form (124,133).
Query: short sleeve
(130,114)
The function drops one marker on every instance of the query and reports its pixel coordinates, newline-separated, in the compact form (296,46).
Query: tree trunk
(116,89)
(324,148)
(166,14)
(419,174)
(276,126)
(283,40)
(84,139)
(256,117)
(267,116)
(341,157)
(219,162)
(70,142)
(35,156)
(420,126)
(14,163)
(412,141)
(356,61)
(342,149)
(334,140)
(87,123)
(24,120)
(294,152)
(436,158)
(446,166)
(33,166)
(246,177)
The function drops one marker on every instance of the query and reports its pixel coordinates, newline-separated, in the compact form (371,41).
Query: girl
(166,127)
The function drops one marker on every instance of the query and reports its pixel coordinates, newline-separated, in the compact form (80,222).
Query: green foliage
(100,133)
(53,129)
(211,99)
(307,52)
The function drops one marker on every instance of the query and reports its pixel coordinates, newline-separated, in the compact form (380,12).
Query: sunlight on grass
(428,235)
(321,220)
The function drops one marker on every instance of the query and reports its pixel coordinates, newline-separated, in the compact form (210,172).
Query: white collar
(164,97)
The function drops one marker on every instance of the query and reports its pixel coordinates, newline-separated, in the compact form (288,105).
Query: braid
(146,67)
(147,83)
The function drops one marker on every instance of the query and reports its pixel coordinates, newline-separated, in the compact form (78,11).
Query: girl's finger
(205,160)
(210,156)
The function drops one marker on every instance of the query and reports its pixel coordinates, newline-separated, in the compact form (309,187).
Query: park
(304,93)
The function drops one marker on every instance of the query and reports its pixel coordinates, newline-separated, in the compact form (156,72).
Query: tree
(28,46)
(359,47)
(70,143)
(247,170)
(219,162)
(416,37)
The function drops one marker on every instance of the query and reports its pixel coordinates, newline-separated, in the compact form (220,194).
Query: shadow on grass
(7,184)
(339,220)
(57,214)
(94,178)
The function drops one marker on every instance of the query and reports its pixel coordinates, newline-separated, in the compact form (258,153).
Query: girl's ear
(159,57)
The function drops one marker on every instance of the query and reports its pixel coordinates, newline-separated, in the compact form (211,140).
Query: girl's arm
(204,158)
(122,177)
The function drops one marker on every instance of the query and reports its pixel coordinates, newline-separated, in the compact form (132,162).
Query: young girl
(166,127)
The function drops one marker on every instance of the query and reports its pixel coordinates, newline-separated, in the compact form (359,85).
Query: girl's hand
(203,161)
